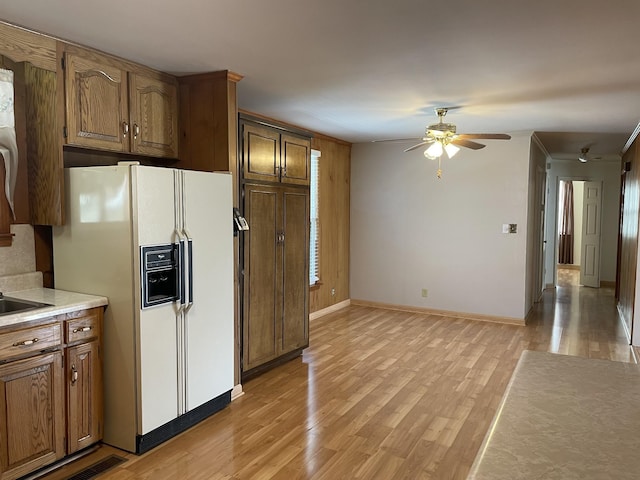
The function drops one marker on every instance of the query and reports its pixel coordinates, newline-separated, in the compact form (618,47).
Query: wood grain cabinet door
(261,153)
(154,116)
(295,160)
(295,270)
(96,102)
(84,396)
(32,426)
(262,291)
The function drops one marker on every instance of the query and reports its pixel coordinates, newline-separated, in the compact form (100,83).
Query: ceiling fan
(443,138)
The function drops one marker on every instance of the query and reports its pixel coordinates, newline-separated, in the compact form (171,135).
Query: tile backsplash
(18,262)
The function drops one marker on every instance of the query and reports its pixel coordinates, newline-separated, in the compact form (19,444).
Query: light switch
(505,228)
(509,228)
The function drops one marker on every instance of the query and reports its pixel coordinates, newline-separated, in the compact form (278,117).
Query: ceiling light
(451,149)
(583,155)
(434,151)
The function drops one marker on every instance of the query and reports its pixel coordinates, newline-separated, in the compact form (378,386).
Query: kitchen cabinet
(117,106)
(83,366)
(273,155)
(32,426)
(50,389)
(276,275)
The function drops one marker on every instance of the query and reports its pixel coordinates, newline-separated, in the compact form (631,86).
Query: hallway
(379,394)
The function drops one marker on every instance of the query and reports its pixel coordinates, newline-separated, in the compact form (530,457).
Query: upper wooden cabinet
(272,155)
(110,107)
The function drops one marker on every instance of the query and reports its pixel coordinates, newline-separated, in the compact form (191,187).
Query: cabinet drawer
(28,340)
(82,328)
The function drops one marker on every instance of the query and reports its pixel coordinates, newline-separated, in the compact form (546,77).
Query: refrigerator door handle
(189,276)
(181,268)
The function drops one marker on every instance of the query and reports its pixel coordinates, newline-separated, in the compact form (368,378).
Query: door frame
(575,178)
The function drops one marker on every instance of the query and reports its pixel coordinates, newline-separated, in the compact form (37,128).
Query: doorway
(569,228)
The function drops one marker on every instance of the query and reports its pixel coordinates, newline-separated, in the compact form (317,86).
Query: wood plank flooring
(378,395)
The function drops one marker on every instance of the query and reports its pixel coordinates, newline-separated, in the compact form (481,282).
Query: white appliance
(169,365)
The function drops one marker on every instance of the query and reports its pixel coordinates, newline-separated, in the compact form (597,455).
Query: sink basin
(10,305)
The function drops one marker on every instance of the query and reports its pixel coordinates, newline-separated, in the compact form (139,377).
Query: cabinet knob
(74,374)
(125,129)
(26,342)
(82,329)
(136,130)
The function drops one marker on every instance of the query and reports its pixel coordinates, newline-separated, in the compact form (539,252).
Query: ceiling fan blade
(486,136)
(467,143)
(418,145)
(398,140)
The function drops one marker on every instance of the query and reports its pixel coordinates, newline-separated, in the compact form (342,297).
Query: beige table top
(565,418)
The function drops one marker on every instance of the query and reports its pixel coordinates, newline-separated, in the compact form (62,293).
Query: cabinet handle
(284,171)
(74,374)
(125,129)
(25,343)
(136,130)
(83,329)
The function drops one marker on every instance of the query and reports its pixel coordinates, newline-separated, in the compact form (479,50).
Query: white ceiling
(364,70)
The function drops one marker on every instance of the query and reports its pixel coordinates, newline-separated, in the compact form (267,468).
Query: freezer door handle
(189,272)
(182,264)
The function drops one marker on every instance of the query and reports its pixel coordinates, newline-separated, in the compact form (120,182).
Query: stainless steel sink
(9,305)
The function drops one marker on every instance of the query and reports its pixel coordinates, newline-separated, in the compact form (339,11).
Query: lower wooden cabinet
(32,425)
(84,396)
(276,274)
(50,390)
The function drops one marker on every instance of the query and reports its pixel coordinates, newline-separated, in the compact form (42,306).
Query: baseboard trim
(568,266)
(607,284)
(330,309)
(442,313)
(236,392)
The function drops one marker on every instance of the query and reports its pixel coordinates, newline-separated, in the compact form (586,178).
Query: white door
(208,347)
(591,221)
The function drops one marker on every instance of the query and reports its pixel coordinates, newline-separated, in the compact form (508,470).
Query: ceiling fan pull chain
(439,172)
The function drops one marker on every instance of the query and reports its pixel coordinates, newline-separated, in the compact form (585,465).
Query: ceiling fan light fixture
(451,149)
(583,155)
(434,151)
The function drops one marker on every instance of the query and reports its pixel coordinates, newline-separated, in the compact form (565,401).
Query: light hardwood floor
(378,395)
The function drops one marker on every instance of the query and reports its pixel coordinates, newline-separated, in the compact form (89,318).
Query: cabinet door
(295,271)
(96,101)
(31,414)
(154,116)
(261,153)
(295,160)
(84,396)
(262,257)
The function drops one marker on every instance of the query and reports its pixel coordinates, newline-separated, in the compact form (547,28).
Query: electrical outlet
(333,292)
(425,292)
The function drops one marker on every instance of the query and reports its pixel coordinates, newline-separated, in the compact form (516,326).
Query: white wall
(410,230)
(609,174)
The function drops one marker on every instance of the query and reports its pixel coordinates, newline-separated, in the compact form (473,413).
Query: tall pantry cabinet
(275,250)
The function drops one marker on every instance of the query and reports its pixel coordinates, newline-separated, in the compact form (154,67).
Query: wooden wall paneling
(334,191)
(21,45)
(629,241)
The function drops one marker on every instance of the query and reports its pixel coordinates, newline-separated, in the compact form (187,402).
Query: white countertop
(61,302)
(564,418)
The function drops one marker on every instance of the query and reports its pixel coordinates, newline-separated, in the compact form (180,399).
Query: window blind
(314,213)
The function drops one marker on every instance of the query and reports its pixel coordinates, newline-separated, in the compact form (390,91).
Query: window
(314,214)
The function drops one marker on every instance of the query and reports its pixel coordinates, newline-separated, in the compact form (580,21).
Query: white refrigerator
(168,365)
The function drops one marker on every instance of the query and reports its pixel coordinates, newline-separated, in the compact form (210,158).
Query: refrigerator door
(154,221)
(209,321)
